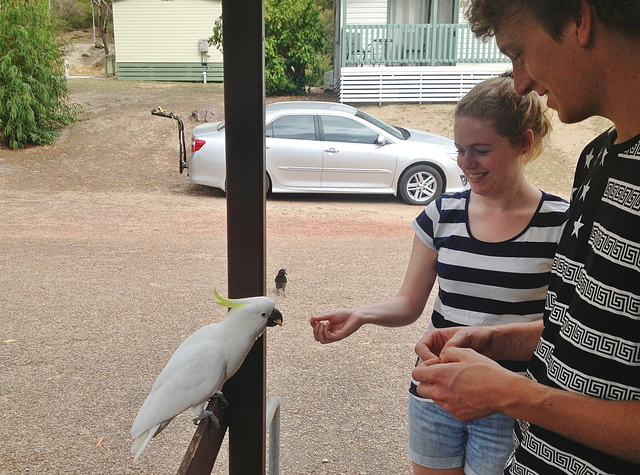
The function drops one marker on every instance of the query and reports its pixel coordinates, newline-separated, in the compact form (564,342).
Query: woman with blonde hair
(491,249)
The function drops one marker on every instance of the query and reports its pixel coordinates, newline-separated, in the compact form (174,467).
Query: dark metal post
(243,44)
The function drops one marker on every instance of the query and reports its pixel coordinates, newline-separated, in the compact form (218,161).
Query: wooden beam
(205,444)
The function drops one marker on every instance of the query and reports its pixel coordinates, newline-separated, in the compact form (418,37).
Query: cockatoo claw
(207,415)
(222,401)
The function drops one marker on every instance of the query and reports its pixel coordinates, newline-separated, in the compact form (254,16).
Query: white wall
(366,12)
(164,30)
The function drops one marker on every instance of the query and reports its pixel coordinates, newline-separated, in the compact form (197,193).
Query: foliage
(216,38)
(69,15)
(295,40)
(33,89)
(74,14)
(325,57)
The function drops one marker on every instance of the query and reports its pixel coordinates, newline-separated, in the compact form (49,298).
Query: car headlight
(453,155)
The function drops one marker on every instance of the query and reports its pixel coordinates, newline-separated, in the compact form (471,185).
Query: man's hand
(513,341)
(436,341)
(465,383)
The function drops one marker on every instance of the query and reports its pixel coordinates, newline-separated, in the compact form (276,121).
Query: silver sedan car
(326,147)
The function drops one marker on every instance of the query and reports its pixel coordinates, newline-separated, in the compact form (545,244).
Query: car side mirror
(382,140)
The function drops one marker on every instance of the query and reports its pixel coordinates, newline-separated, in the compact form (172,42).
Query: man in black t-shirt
(579,408)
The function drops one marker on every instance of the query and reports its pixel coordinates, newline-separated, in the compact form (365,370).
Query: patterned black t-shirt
(591,340)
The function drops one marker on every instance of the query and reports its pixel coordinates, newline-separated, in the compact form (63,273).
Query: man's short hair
(486,16)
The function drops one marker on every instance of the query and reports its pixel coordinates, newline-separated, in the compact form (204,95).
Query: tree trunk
(102,24)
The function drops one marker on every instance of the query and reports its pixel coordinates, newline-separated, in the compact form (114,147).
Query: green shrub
(33,90)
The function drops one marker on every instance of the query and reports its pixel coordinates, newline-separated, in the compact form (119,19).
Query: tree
(104,11)
(33,87)
(294,41)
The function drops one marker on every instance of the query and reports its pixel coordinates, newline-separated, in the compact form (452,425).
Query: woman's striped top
(490,283)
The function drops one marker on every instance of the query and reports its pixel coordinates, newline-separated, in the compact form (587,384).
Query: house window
(410,12)
(416,12)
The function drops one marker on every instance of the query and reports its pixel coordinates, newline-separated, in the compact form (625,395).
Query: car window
(297,127)
(394,131)
(343,129)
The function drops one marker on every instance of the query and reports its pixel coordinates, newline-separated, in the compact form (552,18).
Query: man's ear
(584,24)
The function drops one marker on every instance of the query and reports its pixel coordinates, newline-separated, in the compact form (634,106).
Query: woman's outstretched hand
(336,325)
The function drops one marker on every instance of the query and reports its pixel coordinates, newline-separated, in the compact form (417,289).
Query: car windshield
(381,125)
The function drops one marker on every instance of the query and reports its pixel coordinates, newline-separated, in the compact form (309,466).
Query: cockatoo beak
(275,318)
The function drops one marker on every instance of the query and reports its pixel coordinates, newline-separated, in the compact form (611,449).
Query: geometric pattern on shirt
(594,292)
(516,468)
(633,153)
(608,298)
(550,301)
(622,195)
(573,380)
(591,341)
(614,248)
(567,270)
(563,461)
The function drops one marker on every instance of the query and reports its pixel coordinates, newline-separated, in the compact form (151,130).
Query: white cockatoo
(200,366)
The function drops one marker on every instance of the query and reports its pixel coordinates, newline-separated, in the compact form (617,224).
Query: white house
(385,50)
(166,40)
(408,51)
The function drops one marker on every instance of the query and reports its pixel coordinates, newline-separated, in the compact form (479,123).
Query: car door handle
(330,150)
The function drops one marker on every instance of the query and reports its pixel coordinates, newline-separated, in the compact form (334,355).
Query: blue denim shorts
(439,440)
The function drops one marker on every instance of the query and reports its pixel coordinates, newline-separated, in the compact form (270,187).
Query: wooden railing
(425,44)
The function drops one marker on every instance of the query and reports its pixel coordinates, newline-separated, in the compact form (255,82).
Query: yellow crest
(220,300)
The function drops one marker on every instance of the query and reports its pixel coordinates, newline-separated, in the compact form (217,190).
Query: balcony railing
(431,45)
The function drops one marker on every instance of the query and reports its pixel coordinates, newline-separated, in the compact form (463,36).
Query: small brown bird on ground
(281,281)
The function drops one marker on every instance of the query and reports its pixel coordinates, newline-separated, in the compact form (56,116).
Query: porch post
(343,36)
(434,30)
(244,98)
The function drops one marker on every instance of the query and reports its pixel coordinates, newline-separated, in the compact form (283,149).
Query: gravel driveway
(109,258)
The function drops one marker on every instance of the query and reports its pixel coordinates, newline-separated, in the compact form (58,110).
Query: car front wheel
(420,185)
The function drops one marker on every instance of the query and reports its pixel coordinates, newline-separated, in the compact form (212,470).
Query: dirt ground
(109,257)
(83,53)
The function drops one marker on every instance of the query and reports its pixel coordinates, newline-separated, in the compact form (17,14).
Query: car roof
(312,106)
